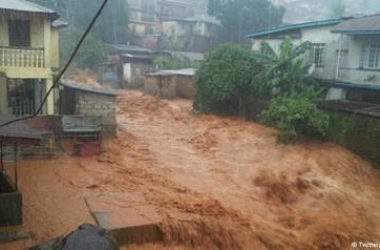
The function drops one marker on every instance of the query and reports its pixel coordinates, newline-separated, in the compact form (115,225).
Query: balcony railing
(22,57)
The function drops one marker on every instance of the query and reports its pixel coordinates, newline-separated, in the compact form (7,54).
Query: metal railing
(22,108)
(22,57)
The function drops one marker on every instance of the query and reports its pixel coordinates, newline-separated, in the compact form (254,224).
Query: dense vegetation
(242,17)
(112,27)
(233,80)
(224,81)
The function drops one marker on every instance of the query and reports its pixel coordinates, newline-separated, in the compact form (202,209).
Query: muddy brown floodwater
(219,183)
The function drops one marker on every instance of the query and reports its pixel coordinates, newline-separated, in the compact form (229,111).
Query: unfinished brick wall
(99,105)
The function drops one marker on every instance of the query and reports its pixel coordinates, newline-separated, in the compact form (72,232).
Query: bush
(295,116)
(224,81)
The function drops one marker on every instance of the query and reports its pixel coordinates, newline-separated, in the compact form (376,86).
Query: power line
(58,78)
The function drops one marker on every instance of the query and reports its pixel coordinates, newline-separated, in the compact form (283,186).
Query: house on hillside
(196,34)
(29,56)
(345,54)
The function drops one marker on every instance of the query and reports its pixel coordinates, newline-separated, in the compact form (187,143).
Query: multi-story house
(145,15)
(198,33)
(345,54)
(29,56)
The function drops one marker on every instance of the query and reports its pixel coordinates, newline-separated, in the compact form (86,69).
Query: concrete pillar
(50,101)
(3,95)
(47,41)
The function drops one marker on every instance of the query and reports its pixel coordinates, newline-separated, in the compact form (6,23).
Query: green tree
(224,81)
(242,17)
(92,52)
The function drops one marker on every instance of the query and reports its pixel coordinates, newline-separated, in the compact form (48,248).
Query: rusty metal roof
(18,131)
(368,25)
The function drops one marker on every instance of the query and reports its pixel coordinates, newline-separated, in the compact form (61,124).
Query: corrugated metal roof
(297,26)
(87,88)
(124,48)
(18,130)
(359,26)
(181,72)
(25,6)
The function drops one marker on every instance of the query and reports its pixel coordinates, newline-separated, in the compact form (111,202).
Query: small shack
(82,100)
(127,66)
(11,138)
(169,84)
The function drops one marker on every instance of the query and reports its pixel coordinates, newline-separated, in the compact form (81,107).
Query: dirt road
(217,182)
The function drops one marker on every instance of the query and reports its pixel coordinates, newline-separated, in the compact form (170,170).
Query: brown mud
(219,183)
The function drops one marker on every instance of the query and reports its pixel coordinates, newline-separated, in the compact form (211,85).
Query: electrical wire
(59,76)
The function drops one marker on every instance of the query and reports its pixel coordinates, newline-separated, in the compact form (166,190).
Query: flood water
(217,183)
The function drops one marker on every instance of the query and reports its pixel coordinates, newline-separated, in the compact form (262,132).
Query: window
(370,56)
(19,33)
(317,54)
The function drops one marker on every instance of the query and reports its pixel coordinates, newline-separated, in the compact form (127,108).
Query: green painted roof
(297,26)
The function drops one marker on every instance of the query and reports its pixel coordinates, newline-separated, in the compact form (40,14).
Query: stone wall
(99,105)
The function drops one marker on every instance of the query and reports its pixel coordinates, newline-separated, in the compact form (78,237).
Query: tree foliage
(224,81)
(242,17)
(286,77)
(294,116)
(285,72)
(111,27)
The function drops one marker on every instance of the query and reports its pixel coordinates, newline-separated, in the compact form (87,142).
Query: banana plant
(285,72)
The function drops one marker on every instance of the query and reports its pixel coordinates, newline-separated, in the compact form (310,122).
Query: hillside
(305,10)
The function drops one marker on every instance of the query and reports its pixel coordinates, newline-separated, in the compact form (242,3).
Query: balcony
(22,57)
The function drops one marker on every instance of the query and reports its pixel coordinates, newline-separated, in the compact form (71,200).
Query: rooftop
(296,26)
(17,131)
(87,88)
(180,72)
(359,26)
(125,48)
(26,7)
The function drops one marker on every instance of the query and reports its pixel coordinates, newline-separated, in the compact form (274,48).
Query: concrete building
(345,54)
(127,67)
(90,103)
(197,33)
(143,16)
(29,56)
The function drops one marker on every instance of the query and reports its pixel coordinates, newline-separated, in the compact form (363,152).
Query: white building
(354,73)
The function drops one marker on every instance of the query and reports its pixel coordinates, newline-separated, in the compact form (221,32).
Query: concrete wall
(352,70)
(103,106)
(137,74)
(170,87)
